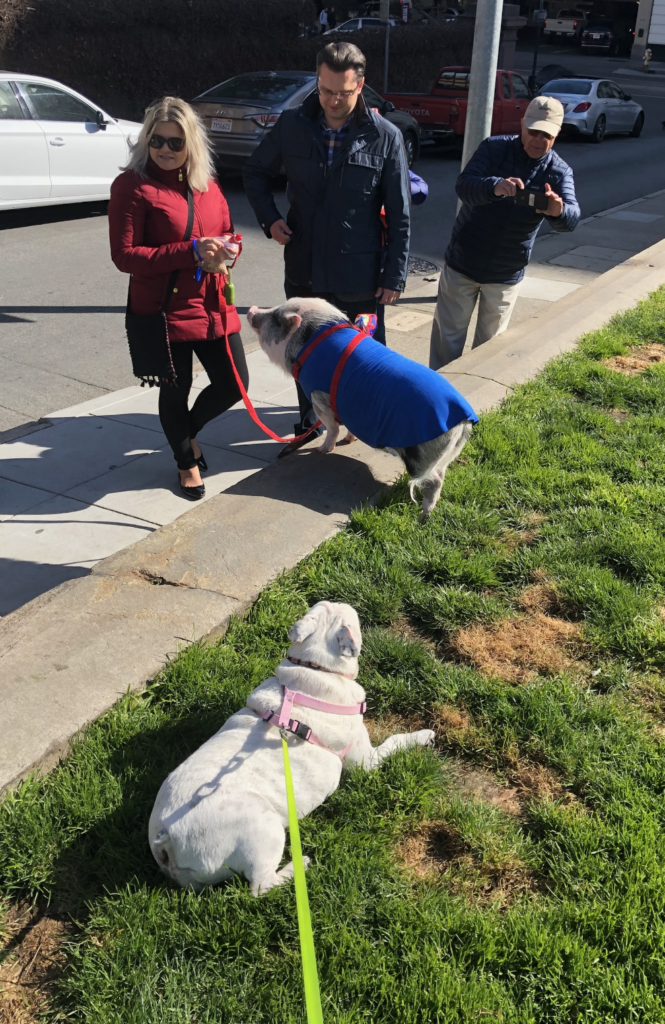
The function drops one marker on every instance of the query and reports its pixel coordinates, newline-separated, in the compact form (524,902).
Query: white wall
(657,28)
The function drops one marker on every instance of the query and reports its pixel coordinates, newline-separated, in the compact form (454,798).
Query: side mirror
(389,107)
(101,120)
(627,96)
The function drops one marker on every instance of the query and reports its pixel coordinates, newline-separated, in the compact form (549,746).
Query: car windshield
(599,28)
(261,88)
(573,87)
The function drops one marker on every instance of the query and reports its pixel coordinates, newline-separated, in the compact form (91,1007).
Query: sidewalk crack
(463,373)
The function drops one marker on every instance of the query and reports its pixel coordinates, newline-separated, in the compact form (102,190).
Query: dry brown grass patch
(450,723)
(525,534)
(518,649)
(537,781)
(618,415)
(380,729)
(437,851)
(31,960)
(637,360)
(476,784)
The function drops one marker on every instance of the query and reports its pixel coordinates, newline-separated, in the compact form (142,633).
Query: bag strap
(188,234)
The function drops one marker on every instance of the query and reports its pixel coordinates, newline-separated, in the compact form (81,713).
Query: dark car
(598,39)
(551,71)
(238,112)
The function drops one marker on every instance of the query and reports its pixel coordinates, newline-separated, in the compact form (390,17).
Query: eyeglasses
(176,144)
(328,94)
(535,133)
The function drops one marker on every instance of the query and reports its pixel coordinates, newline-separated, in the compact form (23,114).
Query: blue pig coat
(385,399)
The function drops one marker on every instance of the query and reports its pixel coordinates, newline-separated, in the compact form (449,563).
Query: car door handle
(57,141)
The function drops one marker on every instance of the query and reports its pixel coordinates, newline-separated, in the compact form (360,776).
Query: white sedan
(55,145)
(596,107)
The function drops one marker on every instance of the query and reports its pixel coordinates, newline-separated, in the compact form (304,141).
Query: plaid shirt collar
(334,138)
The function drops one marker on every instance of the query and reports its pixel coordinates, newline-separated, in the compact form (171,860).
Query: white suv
(56,146)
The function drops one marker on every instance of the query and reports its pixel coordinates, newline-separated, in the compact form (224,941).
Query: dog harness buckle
(287,725)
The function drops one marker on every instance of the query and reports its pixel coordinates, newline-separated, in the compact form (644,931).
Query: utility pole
(384,15)
(539,16)
(482,84)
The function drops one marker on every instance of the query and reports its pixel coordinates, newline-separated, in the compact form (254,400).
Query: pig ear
(349,640)
(304,627)
(293,322)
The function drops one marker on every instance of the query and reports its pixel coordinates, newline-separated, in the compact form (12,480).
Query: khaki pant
(455,304)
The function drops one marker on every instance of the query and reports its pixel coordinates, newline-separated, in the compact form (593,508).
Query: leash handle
(308,954)
(252,411)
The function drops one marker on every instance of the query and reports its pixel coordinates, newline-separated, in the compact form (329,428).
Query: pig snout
(251,313)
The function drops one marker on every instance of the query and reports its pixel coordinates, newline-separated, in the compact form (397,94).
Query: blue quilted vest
(385,399)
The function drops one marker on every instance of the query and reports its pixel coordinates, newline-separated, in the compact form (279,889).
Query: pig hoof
(349,439)
(323,449)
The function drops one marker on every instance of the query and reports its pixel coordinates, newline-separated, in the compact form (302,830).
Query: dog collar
(318,668)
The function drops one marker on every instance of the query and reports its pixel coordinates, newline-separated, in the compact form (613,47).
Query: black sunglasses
(175,144)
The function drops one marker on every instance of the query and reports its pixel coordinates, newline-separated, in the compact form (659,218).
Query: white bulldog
(223,812)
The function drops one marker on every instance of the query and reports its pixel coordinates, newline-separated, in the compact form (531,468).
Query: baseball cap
(544,114)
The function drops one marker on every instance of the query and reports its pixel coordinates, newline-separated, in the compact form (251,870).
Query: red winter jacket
(147,222)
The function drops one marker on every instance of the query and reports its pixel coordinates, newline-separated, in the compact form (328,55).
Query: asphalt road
(62,301)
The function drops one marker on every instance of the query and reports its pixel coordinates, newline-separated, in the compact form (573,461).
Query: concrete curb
(67,656)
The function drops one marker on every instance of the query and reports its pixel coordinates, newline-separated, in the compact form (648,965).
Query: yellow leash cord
(307,951)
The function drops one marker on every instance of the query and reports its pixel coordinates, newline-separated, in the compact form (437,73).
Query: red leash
(297,367)
(252,411)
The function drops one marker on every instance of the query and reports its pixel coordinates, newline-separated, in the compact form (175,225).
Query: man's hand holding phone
(508,186)
(554,202)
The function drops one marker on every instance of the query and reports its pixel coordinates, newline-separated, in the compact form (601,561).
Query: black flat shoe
(192,493)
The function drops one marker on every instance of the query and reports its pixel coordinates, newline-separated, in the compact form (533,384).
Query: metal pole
(539,28)
(386,56)
(482,83)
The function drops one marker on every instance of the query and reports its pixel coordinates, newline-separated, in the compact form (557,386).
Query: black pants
(179,422)
(351,306)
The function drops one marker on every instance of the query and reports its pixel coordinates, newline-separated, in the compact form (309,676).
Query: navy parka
(336,245)
(492,237)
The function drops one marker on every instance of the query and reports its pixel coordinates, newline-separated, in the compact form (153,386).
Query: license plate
(594,36)
(221,124)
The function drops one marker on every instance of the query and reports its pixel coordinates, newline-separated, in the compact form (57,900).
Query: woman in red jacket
(147,222)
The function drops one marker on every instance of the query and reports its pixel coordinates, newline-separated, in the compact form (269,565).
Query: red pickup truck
(441,113)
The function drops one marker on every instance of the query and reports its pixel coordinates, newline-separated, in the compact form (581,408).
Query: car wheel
(636,130)
(411,147)
(598,134)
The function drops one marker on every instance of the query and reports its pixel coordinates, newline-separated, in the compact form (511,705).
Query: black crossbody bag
(148,336)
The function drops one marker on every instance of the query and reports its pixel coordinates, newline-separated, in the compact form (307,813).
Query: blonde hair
(200,166)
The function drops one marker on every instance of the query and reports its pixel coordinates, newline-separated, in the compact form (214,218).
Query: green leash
(309,971)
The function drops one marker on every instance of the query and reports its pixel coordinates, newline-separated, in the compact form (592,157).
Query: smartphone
(536,200)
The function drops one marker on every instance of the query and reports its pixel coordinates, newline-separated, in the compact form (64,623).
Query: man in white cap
(494,232)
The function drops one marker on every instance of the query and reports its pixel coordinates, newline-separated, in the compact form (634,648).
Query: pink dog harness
(283,719)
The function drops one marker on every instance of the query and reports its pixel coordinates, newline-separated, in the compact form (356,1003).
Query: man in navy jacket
(344,164)
(493,235)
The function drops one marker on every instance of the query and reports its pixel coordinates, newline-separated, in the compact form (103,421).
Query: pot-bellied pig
(380,396)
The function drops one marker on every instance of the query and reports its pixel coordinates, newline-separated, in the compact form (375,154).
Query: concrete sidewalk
(100,475)
(94,482)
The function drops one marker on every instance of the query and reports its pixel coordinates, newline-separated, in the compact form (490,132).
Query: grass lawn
(514,873)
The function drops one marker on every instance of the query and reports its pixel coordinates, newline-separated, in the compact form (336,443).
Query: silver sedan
(596,107)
